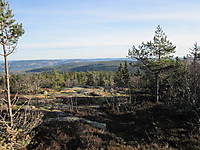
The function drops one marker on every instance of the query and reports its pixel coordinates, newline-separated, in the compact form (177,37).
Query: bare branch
(2,65)
(12,50)
(20,108)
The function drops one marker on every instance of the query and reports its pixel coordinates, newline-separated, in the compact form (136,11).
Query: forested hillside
(83,66)
(104,64)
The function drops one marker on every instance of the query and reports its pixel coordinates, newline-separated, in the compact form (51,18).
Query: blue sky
(66,29)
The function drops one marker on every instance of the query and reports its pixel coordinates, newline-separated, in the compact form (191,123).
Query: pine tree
(118,79)
(193,71)
(57,79)
(155,56)
(101,79)
(90,78)
(122,76)
(9,36)
(126,75)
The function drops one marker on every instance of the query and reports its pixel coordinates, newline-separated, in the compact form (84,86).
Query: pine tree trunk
(157,87)
(8,86)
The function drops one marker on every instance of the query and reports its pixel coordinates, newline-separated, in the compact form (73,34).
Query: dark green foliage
(195,53)
(182,85)
(194,72)
(101,81)
(171,85)
(126,74)
(33,82)
(90,79)
(57,79)
(122,76)
(118,76)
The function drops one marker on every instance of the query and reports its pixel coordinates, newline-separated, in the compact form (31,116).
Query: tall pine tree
(9,36)
(155,56)
(126,75)
(122,76)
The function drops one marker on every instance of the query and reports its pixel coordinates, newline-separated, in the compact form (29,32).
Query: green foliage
(119,76)
(122,76)
(195,53)
(155,57)
(33,82)
(90,79)
(126,74)
(182,85)
(101,81)
(9,30)
(57,79)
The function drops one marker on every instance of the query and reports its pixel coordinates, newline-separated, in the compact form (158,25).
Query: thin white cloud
(60,45)
(116,16)
(108,24)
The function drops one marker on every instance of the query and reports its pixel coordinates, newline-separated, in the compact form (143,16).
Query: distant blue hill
(102,64)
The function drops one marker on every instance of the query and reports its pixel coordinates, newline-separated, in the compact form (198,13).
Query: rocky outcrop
(98,125)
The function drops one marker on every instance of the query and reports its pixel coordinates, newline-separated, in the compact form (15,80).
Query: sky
(70,29)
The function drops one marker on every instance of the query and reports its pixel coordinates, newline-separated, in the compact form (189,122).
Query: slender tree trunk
(8,86)
(157,87)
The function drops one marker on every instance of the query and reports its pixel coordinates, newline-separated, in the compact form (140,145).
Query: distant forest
(34,82)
